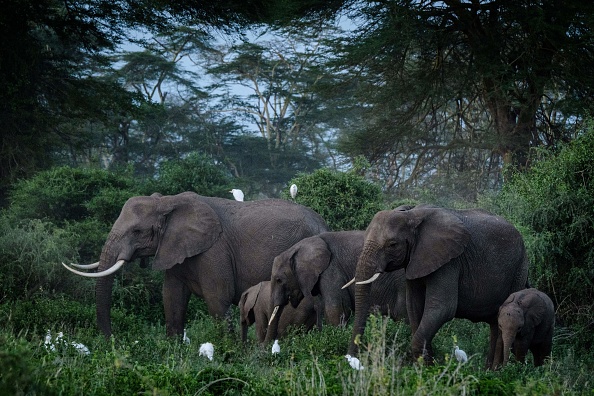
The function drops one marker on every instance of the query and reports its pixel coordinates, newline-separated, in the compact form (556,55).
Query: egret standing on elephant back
(214,248)
(458,264)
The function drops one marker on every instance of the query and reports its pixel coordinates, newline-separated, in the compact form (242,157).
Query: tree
(454,86)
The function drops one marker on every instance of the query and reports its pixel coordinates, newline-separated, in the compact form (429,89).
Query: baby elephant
(526,321)
(255,306)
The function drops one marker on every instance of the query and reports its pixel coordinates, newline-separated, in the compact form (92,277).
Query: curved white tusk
(374,277)
(86,266)
(273,315)
(101,274)
(348,284)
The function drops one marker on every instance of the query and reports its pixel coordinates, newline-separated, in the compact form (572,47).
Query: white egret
(354,362)
(460,355)
(48,342)
(237,194)
(206,349)
(293,190)
(186,338)
(275,347)
(81,348)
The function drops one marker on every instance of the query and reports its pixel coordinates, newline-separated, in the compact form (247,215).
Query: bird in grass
(354,362)
(275,347)
(206,349)
(460,355)
(186,338)
(81,348)
(237,194)
(293,190)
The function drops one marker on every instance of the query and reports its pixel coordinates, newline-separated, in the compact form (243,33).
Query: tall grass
(142,360)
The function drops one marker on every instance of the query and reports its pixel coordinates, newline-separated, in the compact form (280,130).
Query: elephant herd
(279,262)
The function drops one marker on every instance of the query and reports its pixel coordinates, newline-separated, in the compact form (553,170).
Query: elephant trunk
(104,286)
(508,340)
(366,268)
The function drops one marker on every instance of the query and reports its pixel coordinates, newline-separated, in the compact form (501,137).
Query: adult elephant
(319,266)
(255,306)
(458,264)
(213,247)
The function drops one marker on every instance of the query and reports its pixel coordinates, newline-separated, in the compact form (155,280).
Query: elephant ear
(187,227)
(534,310)
(247,303)
(440,237)
(308,262)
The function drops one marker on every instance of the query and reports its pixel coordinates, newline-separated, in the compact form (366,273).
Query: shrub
(67,194)
(196,173)
(345,200)
(553,203)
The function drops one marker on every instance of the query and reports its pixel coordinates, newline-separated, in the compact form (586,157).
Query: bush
(345,200)
(196,173)
(67,194)
(553,204)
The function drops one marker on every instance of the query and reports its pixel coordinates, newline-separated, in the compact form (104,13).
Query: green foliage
(345,200)
(31,252)
(197,173)
(553,203)
(72,194)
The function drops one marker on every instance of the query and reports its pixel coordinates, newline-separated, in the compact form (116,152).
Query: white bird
(48,342)
(460,355)
(237,194)
(293,190)
(186,338)
(275,347)
(354,362)
(206,349)
(81,348)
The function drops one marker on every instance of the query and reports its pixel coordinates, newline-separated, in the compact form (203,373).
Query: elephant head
(420,239)
(170,228)
(295,274)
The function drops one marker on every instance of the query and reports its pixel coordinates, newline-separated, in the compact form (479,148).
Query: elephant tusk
(348,283)
(101,274)
(85,266)
(374,277)
(273,315)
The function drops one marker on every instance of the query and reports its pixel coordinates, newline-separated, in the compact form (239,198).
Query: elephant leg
(441,301)
(495,356)
(540,352)
(176,296)
(415,303)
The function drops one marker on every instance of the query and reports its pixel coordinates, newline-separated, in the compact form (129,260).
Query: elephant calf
(255,306)
(526,322)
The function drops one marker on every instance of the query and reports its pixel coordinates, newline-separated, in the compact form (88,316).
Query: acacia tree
(459,85)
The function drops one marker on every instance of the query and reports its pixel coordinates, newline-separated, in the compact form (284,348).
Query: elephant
(255,306)
(458,264)
(319,266)
(526,322)
(214,248)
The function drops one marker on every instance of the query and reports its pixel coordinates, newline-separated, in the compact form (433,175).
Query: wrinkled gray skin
(214,248)
(458,263)
(255,306)
(526,322)
(320,266)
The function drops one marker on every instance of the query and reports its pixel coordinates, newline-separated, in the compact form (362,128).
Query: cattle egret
(81,348)
(48,342)
(206,349)
(460,355)
(237,194)
(293,190)
(275,347)
(354,362)
(186,338)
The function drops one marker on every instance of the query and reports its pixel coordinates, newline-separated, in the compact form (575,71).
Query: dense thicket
(554,204)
